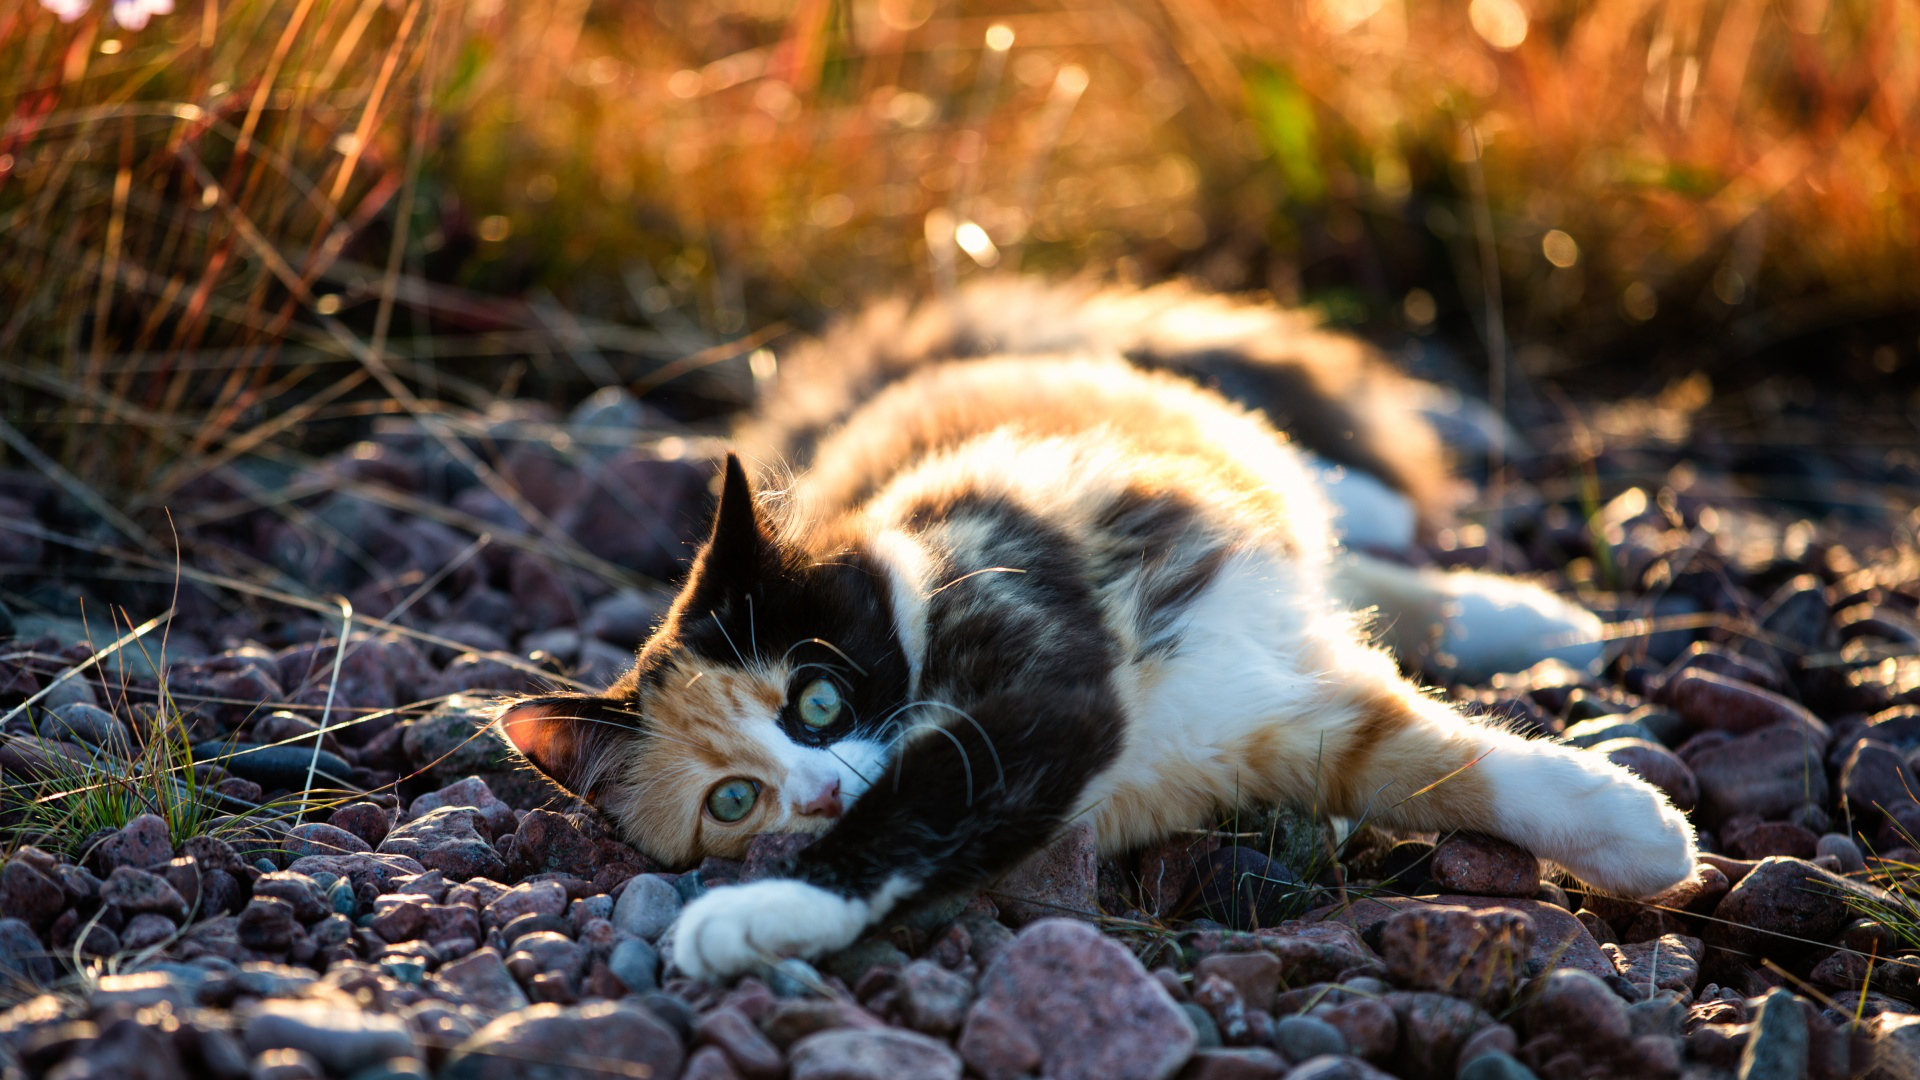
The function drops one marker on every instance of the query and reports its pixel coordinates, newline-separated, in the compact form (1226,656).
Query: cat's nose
(825,802)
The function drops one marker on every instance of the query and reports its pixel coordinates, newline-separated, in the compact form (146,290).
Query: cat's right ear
(566,736)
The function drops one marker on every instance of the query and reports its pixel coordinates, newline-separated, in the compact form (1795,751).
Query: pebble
(1495,1066)
(932,999)
(1336,1068)
(568,1042)
(447,840)
(22,954)
(647,906)
(267,925)
(480,979)
(1065,998)
(1657,765)
(452,739)
(1669,962)
(531,898)
(28,894)
(873,1054)
(1484,866)
(302,892)
(1790,897)
(1777,1049)
(145,841)
(365,820)
(319,838)
(1300,1038)
(637,964)
(341,1037)
(1059,881)
(470,792)
(1768,773)
(752,1054)
(1256,975)
(1235,1063)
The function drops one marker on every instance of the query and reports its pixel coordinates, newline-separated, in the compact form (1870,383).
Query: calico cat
(1015,559)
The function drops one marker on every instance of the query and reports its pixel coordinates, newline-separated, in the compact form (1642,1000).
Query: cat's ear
(566,736)
(737,552)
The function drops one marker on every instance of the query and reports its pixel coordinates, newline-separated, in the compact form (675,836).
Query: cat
(1015,559)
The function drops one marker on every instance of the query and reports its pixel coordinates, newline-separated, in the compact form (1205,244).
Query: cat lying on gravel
(1011,562)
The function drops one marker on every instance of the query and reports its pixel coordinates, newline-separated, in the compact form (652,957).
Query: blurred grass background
(255,224)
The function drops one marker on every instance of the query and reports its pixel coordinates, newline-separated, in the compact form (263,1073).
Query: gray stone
(1495,1066)
(549,1042)
(637,964)
(873,1054)
(1304,1037)
(342,1038)
(647,907)
(1777,1049)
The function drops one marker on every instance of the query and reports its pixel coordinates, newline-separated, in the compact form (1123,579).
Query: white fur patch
(908,570)
(1366,512)
(1600,822)
(739,928)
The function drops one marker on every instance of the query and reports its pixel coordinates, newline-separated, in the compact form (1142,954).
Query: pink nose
(825,802)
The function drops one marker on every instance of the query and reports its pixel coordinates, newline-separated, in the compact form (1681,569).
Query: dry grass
(252,217)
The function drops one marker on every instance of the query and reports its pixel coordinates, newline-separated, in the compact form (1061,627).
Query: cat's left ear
(567,736)
(738,552)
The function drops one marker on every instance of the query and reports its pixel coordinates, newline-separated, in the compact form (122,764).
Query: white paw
(1498,624)
(737,928)
(1639,844)
(1598,821)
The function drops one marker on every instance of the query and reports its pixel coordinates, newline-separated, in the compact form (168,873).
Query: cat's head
(763,703)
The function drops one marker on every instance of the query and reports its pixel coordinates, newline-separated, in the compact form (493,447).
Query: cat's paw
(1636,843)
(1598,821)
(738,928)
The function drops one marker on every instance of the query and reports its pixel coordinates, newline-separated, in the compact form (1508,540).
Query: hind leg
(1407,761)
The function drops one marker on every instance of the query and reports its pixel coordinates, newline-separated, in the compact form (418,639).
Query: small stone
(1484,866)
(1243,889)
(1059,881)
(23,956)
(534,897)
(267,925)
(145,841)
(146,930)
(447,840)
(637,964)
(1302,1037)
(932,999)
(454,740)
(285,1064)
(317,838)
(709,1063)
(1669,962)
(1655,764)
(28,894)
(1768,773)
(1336,1068)
(1784,899)
(1433,1028)
(873,1054)
(481,980)
(647,906)
(752,1053)
(770,853)
(547,842)
(341,1038)
(469,792)
(1235,1063)
(554,1042)
(545,952)
(308,900)
(1495,1066)
(1777,1049)
(366,820)
(1064,997)
(1255,974)
(1477,955)
(1369,1025)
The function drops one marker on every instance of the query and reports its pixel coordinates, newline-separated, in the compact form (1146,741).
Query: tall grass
(253,217)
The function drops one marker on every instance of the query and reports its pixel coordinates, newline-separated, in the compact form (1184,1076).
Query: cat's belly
(1234,715)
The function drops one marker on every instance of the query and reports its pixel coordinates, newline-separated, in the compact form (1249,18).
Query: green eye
(732,799)
(819,704)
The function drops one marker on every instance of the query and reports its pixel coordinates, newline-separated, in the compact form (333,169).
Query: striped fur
(1065,582)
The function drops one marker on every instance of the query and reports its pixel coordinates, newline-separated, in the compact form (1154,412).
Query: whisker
(715,616)
(826,644)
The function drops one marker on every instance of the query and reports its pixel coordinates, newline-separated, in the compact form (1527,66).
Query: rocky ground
(433,912)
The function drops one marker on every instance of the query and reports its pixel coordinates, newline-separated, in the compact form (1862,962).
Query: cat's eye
(731,799)
(819,704)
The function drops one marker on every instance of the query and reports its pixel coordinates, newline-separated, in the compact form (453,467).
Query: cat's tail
(1468,625)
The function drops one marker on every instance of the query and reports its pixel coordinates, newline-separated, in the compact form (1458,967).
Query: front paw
(738,928)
